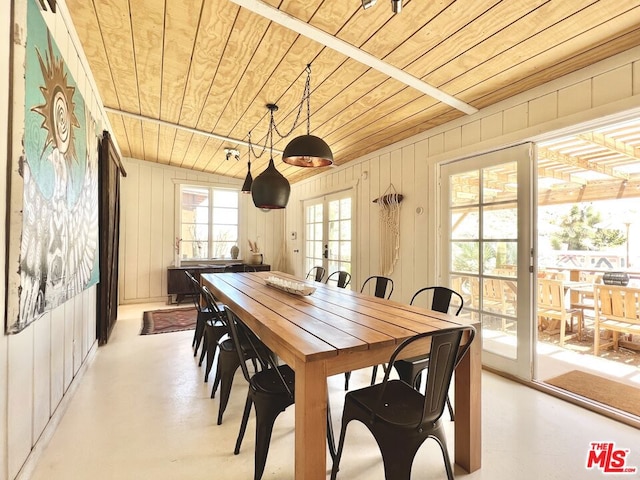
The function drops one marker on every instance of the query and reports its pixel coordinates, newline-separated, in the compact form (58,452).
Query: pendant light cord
(307,89)
(271,127)
(249,155)
(306,98)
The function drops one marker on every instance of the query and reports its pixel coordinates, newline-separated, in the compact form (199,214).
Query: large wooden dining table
(337,330)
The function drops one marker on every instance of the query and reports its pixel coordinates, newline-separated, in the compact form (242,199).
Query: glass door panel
(487,257)
(339,223)
(328,232)
(313,235)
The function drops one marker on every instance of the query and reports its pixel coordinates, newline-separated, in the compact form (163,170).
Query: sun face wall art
(58,245)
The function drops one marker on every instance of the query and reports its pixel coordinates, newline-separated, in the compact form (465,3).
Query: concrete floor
(142,411)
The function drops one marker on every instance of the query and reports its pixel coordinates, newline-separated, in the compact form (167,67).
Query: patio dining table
(333,331)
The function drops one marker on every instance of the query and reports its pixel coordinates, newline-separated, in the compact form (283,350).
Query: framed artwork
(54,235)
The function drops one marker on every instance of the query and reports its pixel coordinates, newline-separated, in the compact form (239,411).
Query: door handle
(326,251)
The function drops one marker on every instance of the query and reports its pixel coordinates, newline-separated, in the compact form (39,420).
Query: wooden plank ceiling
(166,66)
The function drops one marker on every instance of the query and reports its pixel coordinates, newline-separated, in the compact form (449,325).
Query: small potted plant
(255,257)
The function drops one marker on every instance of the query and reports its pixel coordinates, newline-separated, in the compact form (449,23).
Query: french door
(328,232)
(487,244)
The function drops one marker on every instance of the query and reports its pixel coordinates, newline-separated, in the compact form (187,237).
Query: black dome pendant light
(270,189)
(307,150)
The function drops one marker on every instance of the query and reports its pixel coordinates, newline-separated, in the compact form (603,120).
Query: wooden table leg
(468,407)
(311,421)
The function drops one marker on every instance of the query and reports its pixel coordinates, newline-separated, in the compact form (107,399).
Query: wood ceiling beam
(564,176)
(307,30)
(177,126)
(593,191)
(612,144)
(580,163)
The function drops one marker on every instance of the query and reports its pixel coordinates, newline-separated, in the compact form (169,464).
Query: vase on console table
(254,259)
(176,260)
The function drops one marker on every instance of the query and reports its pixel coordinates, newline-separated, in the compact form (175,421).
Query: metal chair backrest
(381,286)
(316,273)
(212,304)
(244,339)
(445,352)
(441,300)
(344,278)
(196,290)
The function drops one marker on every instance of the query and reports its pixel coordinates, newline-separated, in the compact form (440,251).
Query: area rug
(615,394)
(169,320)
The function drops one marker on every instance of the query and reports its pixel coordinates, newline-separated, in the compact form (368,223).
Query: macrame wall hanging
(389,204)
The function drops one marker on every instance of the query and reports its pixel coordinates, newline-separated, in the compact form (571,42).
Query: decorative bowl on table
(290,286)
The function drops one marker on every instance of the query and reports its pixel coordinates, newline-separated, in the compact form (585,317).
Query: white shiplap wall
(601,93)
(148,227)
(41,365)
(406,169)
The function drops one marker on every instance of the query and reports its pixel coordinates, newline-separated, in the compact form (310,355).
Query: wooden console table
(178,283)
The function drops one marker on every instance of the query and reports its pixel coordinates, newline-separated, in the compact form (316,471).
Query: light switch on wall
(294,235)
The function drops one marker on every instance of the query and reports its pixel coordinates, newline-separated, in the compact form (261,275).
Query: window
(208,222)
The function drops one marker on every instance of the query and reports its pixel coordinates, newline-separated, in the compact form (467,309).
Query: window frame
(211,224)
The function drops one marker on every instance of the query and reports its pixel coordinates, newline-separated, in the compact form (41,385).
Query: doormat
(169,320)
(615,394)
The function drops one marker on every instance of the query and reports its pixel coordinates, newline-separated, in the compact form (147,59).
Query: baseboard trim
(45,437)
(134,301)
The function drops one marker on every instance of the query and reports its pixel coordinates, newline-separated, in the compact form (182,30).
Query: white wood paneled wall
(148,230)
(40,365)
(406,169)
(607,91)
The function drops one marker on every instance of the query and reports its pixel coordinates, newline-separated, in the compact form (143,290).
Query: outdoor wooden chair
(617,309)
(496,298)
(552,309)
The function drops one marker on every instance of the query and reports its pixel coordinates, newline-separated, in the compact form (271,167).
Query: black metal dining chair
(410,369)
(213,327)
(316,273)
(228,358)
(401,418)
(271,391)
(204,315)
(441,298)
(340,277)
(382,288)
